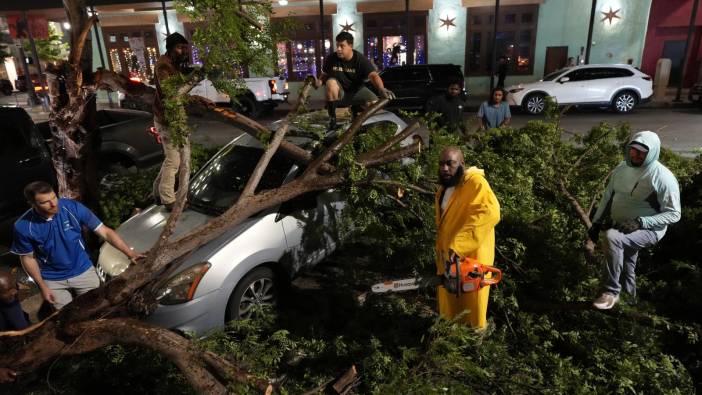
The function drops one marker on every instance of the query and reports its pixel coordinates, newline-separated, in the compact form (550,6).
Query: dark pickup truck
(127,140)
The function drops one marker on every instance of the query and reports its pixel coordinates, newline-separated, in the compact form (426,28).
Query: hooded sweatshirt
(649,192)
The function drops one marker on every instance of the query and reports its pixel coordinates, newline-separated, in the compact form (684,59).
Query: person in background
(12,318)
(494,112)
(449,107)
(502,71)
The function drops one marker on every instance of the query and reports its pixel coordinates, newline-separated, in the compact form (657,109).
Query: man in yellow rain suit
(466,214)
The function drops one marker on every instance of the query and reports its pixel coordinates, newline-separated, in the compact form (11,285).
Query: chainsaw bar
(406,284)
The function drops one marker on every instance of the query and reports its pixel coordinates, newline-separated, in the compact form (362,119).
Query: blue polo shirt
(57,243)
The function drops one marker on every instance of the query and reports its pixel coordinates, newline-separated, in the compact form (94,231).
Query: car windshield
(552,76)
(218,185)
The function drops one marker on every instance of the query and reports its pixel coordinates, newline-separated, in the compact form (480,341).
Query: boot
(355,110)
(331,110)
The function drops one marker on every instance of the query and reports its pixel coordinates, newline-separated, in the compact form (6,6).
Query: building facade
(535,36)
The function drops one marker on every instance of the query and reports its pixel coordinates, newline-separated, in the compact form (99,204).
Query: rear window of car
(394,75)
(15,134)
(216,187)
(446,74)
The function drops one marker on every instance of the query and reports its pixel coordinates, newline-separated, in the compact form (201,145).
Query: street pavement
(680,128)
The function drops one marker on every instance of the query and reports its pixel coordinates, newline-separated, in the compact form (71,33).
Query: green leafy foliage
(50,49)
(542,336)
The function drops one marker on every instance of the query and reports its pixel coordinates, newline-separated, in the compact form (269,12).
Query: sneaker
(606,301)
(333,125)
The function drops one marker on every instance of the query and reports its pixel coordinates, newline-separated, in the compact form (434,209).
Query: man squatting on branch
(172,63)
(466,214)
(343,75)
(48,239)
(642,198)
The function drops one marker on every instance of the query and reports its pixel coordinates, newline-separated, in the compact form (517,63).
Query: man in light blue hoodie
(642,198)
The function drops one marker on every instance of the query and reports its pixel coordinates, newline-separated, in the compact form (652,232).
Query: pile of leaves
(542,335)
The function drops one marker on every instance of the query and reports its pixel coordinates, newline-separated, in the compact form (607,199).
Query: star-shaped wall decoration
(610,15)
(348,27)
(447,22)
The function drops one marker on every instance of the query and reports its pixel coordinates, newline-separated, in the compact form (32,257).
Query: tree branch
(345,139)
(262,164)
(76,51)
(406,132)
(392,155)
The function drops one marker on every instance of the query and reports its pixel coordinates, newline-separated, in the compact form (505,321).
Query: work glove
(630,225)
(594,232)
(387,94)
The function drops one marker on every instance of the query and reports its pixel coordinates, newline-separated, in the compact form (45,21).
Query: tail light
(152,131)
(647,77)
(274,86)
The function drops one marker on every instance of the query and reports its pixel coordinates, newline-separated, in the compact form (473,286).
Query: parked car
(695,94)
(620,87)
(415,84)
(244,268)
(21,84)
(261,93)
(127,139)
(25,157)
(6,87)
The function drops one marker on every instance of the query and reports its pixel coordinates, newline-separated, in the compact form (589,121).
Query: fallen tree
(111,314)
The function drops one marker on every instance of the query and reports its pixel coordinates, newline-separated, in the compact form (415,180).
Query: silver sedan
(231,276)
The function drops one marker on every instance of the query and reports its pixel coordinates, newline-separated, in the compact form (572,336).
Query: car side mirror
(564,79)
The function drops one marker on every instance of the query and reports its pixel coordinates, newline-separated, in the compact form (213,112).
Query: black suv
(415,84)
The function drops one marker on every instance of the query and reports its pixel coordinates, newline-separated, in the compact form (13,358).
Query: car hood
(141,232)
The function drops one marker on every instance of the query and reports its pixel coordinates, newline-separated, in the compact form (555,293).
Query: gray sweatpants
(80,284)
(622,250)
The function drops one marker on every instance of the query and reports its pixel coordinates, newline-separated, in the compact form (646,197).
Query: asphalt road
(680,129)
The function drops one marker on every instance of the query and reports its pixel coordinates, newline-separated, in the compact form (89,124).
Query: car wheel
(535,103)
(7,91)
(624,102)
(247,106)
(257,289)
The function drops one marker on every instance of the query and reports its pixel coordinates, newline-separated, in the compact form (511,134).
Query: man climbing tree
(343,74)
(169,65)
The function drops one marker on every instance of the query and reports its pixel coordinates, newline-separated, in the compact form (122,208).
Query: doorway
(675,51)
(556,58)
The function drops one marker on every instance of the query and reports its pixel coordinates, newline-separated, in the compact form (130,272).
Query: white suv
(620,87)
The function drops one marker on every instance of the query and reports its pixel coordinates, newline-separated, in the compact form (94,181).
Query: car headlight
(515,90)
(181,287)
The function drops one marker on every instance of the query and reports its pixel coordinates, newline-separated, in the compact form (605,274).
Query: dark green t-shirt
(351,74)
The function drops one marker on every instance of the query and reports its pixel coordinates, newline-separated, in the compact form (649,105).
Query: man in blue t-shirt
(49,242)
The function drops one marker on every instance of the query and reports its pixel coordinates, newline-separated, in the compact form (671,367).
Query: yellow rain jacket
(467,226)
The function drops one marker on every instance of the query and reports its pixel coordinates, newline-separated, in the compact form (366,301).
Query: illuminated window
(515,39)
(303,59)
(282,60)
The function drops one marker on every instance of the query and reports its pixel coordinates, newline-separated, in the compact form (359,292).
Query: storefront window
(420,55)
(515,39)
(282,60)
(303,59)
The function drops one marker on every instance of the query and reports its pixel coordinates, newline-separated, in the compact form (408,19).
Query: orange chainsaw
(460,276)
